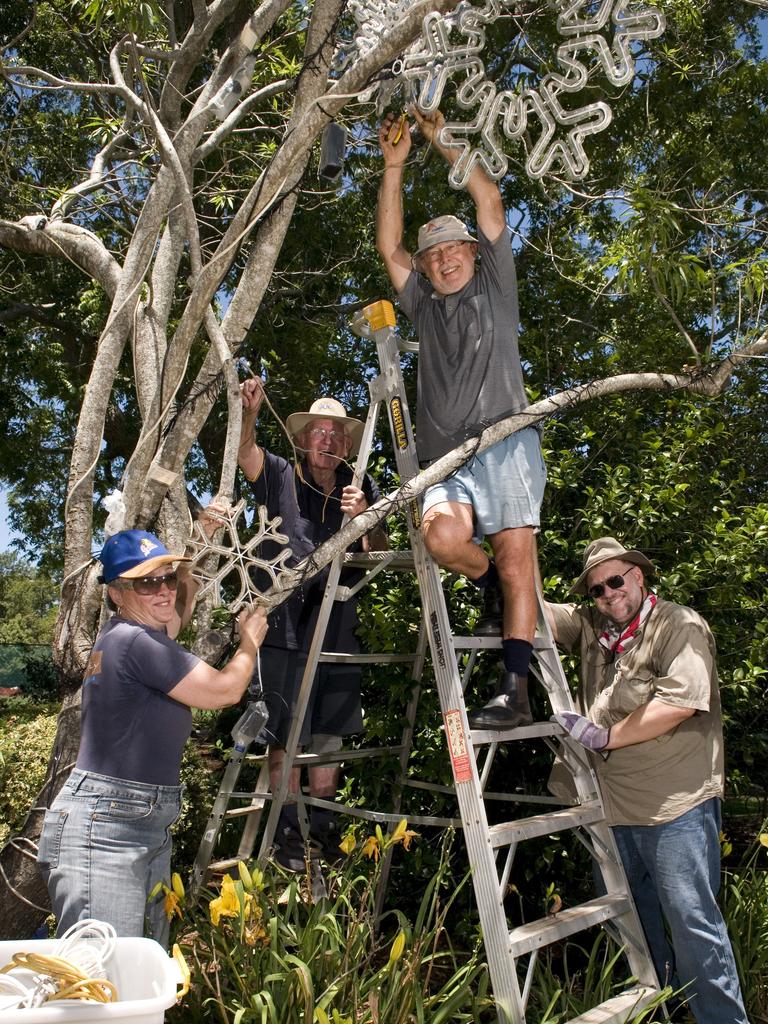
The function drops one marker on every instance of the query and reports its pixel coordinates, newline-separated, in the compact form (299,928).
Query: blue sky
(5,533)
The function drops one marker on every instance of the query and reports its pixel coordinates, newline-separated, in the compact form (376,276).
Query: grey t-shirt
(130,728)
(469,362)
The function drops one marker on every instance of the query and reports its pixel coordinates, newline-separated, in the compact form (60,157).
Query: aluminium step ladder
(491,848)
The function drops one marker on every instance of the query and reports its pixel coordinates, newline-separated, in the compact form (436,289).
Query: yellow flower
(399,832)
(403,834)
(371,848)
(257,933)
(156,891)
(397,948)
(171,904)
(348,843)
(225,905)
(763,837)
(245,875)
(177,885)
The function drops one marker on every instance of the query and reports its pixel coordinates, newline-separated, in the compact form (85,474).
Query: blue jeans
(105,844)
(673,871)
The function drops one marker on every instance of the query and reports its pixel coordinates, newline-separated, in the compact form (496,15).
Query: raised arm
(395,142)
(484,191)
(250,457)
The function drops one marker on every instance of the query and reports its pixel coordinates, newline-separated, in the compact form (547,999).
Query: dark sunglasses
(150,585)
(613,582)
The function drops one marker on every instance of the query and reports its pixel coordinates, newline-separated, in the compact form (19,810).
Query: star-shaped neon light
(234,558)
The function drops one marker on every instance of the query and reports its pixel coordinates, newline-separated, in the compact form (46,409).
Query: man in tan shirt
(650,691)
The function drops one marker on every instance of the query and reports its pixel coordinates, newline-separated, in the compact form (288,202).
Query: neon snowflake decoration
(599,35)
(237,559)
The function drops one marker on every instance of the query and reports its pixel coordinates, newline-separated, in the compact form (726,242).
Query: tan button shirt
(672,660)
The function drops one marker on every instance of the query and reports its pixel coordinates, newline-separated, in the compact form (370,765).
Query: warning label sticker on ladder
(457,746)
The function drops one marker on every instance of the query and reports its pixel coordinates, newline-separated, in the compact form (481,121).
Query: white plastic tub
(145,976)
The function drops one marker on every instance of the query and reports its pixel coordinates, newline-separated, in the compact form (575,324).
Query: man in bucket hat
(651,702)
(311,497)
(469,377)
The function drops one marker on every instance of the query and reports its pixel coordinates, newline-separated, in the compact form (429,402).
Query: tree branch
(63,241)
(709,383)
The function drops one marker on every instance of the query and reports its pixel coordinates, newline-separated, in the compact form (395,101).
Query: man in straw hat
(470,377)
(311,496)
(650,694)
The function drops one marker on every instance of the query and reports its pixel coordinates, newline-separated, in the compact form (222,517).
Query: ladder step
(545,824)
(338,658)
(240,812)
(619,1009)
(546,930)
(477,643)
(393,559)
(524,732)
(219,866)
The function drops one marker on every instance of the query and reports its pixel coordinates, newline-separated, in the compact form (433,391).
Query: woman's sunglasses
(613,582)
(149,585)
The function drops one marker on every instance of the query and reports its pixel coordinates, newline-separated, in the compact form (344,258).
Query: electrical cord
(74,969)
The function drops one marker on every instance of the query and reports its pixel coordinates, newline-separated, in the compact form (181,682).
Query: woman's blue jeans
(105,844)
(673,871)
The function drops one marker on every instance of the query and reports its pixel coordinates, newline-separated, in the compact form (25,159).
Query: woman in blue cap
(106,840)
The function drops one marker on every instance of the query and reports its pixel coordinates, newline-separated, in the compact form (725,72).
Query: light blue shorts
(504,485)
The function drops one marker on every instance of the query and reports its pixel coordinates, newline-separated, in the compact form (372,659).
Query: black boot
(508,708)
(290,848)
(325,832)
(489,623)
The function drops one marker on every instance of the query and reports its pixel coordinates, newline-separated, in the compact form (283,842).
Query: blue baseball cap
(133,554)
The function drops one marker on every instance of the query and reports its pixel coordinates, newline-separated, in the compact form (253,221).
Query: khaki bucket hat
(327,409)
(442,229)
(605,549)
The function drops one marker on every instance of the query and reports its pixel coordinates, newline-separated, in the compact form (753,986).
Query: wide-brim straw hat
(327,409)
(605,549)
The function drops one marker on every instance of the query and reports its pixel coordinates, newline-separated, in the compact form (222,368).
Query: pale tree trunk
(142,288)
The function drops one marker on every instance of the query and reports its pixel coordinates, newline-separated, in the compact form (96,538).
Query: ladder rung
(476,643)
(546,930)
(241,812)
(338,658)
(545,824)
(346,754)
(619,1009)
(524,732)
(397,560)
(223,865)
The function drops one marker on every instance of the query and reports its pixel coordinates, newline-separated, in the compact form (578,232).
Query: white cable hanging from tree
(597,37)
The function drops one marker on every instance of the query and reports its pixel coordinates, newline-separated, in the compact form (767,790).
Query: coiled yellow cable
(70,981)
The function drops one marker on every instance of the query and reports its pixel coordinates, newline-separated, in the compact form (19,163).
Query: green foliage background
(661,251)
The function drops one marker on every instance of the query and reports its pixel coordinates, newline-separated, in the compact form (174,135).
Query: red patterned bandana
(616,640)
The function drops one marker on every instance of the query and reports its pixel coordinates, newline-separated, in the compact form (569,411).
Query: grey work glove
(591,736)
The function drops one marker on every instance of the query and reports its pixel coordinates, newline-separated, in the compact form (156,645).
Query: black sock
(517,655)
(490,577)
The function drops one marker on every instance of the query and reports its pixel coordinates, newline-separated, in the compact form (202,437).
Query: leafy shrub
(40,680)
(26,737)
(745,908)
